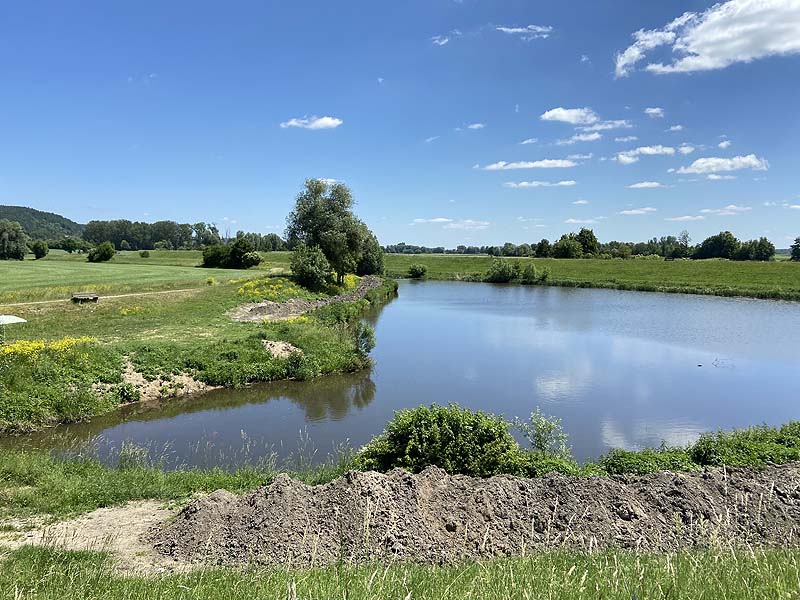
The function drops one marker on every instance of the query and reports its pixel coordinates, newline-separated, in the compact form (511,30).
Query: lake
(621,369)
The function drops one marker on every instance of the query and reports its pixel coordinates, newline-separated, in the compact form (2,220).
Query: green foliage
(216,256)
(40,249)
(417,271)
(621,462)
(144,253)
(456,439)
(240,254)
(567,247)
(364,336)
(310,267)
(755,446)
(41,225)
(761,249)
(545,435)
(795,248)
(13,241)
(722,245)
(588,241)
(370,261)
(102,253)
(544,249)
(502,271)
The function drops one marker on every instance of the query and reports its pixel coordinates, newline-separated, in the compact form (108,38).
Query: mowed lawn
(60,274)
(779,278)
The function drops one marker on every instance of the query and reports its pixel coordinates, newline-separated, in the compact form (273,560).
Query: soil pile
(437,518)
(280,311)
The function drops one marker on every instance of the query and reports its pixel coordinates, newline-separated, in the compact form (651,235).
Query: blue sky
(219,111)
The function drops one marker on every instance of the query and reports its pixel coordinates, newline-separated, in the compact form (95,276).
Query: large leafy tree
(323,218)
(588,241)
(796,249)
(722,245)
(13,241)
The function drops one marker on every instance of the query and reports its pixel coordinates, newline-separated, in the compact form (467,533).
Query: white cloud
(627,138)
(531,32)
(715,177)
(580,221)
(646,185)
(686,218)
(573,116)
(718,165)
(581,202)
(584,58)
(686,148)
(606,125)
(468,225)
(725,34)
(580,156)
(629,157)
(547,163)
(727,211)
(433,138)
(529,141)
(476,126)
(533,184)
(675,128)
(725,144)
(433,220)
(440,40)
(793,206)
(381,79)
(313,123)
(639,211)
(654,113)
(580,137)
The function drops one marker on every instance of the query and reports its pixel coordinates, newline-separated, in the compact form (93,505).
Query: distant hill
(39,224)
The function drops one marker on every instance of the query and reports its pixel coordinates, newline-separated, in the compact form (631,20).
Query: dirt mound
(437,518)
(280,311)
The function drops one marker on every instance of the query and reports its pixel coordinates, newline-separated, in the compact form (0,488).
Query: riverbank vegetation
(46,573)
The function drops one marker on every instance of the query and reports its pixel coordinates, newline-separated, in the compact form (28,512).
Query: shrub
(545,435)
(242,255)
(567,247)
(755,446)
(102,253)
(13,241)
(417,271)
(40,249)
(144,253)
(249,259)
(310,267)
(649,460)
(502,271)
(216,256)
(456,439)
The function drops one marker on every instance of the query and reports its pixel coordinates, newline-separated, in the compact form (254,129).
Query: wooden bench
(81,297)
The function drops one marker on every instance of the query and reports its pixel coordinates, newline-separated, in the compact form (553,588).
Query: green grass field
(779,279)
(47,574)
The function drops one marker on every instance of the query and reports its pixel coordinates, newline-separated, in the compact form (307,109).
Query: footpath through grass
(45,574)
(772,280)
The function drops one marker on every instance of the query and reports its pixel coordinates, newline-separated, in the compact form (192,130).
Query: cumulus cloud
(725,34)
(476,126)
(627,138)
(580,137)
(715,177)
(720,165)
(580,221)
(581,202)
(675,128)
(528,33)
(580,156)
(528,141)
(534,184)
(433,220)
(628,157)
(643,185)
(468,225)
(686,218)
(546,163)
(639,211)
(727,211)
(573,116)
(725,144)
(313,123)
(433,138)
(606,125)
(654,112)
(440,40)
(686,148)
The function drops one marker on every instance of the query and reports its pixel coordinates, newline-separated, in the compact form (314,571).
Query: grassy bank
(67,363)
(46,573)
(772,280)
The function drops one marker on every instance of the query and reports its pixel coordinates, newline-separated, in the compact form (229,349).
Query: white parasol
(8,320)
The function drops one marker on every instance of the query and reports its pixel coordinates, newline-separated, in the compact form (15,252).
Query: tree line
(584,244)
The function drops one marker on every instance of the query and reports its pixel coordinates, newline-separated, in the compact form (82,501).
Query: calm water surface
(622,369)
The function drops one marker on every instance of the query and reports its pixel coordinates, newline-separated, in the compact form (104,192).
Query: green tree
(13,241)
(588,241)
(764,249)
(310,267)
(543,249)
(567,247)
(370,261)
(242,254)
(323,217)
(524,250)
(40,249)
(102,253)
(796,249)
(70,244)
(417,271)
(722,245)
